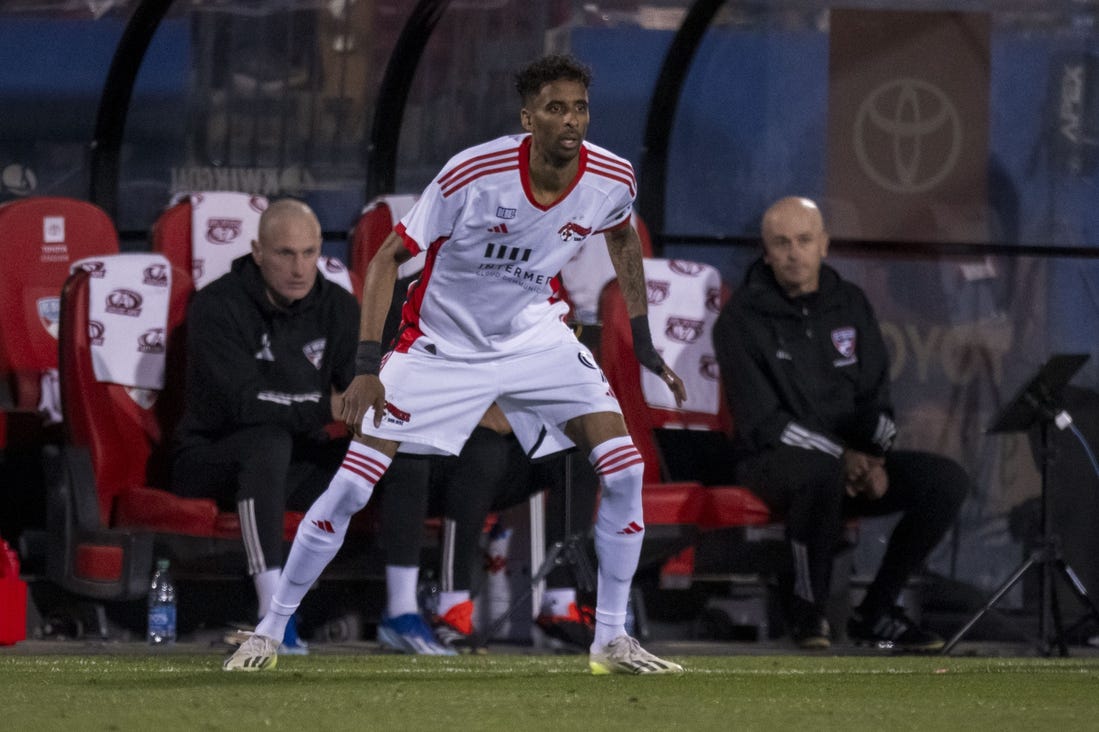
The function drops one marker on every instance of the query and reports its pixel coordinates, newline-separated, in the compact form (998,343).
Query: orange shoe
(454,628)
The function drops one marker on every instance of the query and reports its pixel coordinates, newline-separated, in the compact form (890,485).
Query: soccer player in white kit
(483,324)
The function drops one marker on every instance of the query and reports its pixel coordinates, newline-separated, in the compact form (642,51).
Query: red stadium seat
(109,497)
(375,223)
(680,444)
(40,238)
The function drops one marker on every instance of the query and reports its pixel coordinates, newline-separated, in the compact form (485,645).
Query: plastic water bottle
(162,606)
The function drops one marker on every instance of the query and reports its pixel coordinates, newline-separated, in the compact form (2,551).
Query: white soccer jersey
(493,251)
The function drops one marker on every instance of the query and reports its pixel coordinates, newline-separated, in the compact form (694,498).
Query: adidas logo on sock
(632,528)
(325,526)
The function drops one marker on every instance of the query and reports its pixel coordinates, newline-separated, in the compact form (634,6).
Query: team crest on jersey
(657,291)
(49,314)
(846,343)
(151,341)
(683,330)
(396,415)
(124,302)
(223,230)
(314,351)
(573,231)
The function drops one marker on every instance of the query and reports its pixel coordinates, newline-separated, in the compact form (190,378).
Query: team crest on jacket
(314,351)
(846,343)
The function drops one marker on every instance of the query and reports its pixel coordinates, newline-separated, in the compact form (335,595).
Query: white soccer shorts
(437,401)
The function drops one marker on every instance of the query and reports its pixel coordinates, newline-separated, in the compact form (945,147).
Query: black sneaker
(812,633)
(892,630)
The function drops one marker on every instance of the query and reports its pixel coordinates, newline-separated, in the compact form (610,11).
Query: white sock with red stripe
(619,529)
(321,532)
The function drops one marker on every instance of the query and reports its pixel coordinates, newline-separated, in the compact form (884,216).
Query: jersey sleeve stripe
(457,185)
(623,165)
(410,244)
(493,158)
(628,182)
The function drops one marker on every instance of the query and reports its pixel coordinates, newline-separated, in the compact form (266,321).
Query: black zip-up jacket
(810,371)
(251,362)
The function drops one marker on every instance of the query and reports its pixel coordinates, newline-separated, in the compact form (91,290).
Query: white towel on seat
(129,295)
(223,225)
(335,271)
(684,301)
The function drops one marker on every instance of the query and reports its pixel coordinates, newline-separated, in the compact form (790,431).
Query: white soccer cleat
(257,653)
(624,655)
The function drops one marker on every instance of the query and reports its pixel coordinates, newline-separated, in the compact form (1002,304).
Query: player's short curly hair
(530,79)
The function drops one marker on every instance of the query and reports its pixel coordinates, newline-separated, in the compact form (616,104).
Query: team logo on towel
(846,342)
(156,275)
(198,266)
(124,302)
(151,341)
(708,368)
(223,231)
(713,299)
(333,265)
(49,314)
(257,204)
(93,267)
(573,231)
(657,291)
(314,351)
(685,268)
(683,330)
(95,332)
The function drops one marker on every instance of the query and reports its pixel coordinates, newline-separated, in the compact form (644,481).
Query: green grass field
(516,692)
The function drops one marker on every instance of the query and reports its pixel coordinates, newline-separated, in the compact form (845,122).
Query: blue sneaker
(409,633)
(292,644)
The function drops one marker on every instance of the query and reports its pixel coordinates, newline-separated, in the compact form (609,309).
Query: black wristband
(643,345)
(368,358)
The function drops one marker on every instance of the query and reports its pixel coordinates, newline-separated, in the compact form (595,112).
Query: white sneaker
(624,655)
(257,653)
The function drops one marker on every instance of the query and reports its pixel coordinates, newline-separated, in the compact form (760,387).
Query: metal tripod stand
(1038,402)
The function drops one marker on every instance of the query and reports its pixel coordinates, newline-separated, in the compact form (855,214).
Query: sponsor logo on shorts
(395,415)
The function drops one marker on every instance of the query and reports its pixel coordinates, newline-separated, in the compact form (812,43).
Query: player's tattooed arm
(624,247)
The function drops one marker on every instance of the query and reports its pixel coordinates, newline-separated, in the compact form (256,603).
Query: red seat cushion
(729,506)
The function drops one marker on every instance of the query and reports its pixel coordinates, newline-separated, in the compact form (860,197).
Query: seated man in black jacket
(807,377)
(270,345)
